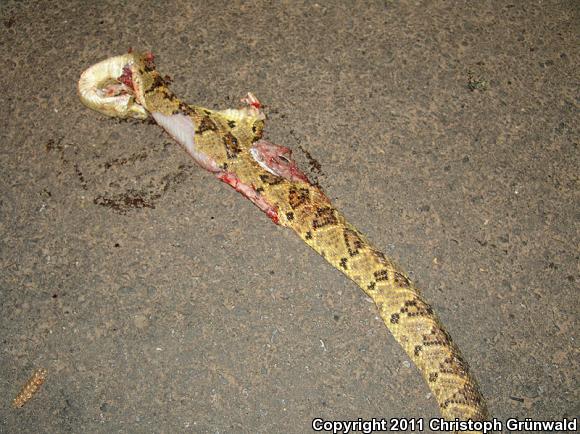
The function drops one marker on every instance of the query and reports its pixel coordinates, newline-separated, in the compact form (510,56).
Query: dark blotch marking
(416,307)
(353,242)
(232,124)
(290,215)
(257,128)
(454,365)
(401,280)
(206,124)
(270,179)
(381,275)
(395,318)
(467,395)
(298,197)
(149,63)
(185,109)
(343,262)
(433,377)
(382,258)
(157,82)
(437,337)
(379,254)
(308,235)
(232,145)
(418,349)
(324,216)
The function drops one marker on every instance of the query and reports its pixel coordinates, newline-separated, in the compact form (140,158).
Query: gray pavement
(161,301)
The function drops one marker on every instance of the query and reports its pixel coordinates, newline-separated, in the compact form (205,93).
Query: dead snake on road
(229,144)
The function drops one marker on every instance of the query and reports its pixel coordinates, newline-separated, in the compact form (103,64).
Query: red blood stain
(251,193)
(127,77)
(273,215)
(229,178)
(279,160)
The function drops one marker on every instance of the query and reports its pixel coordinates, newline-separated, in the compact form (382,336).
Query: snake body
(229,144)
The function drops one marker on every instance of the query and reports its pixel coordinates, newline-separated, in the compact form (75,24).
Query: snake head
(107,86)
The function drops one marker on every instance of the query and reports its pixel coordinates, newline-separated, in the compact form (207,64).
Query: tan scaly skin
(228,143)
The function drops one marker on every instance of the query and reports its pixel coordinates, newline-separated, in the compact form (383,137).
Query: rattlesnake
(229,144)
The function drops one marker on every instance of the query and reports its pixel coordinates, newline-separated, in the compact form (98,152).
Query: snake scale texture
(229,144)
